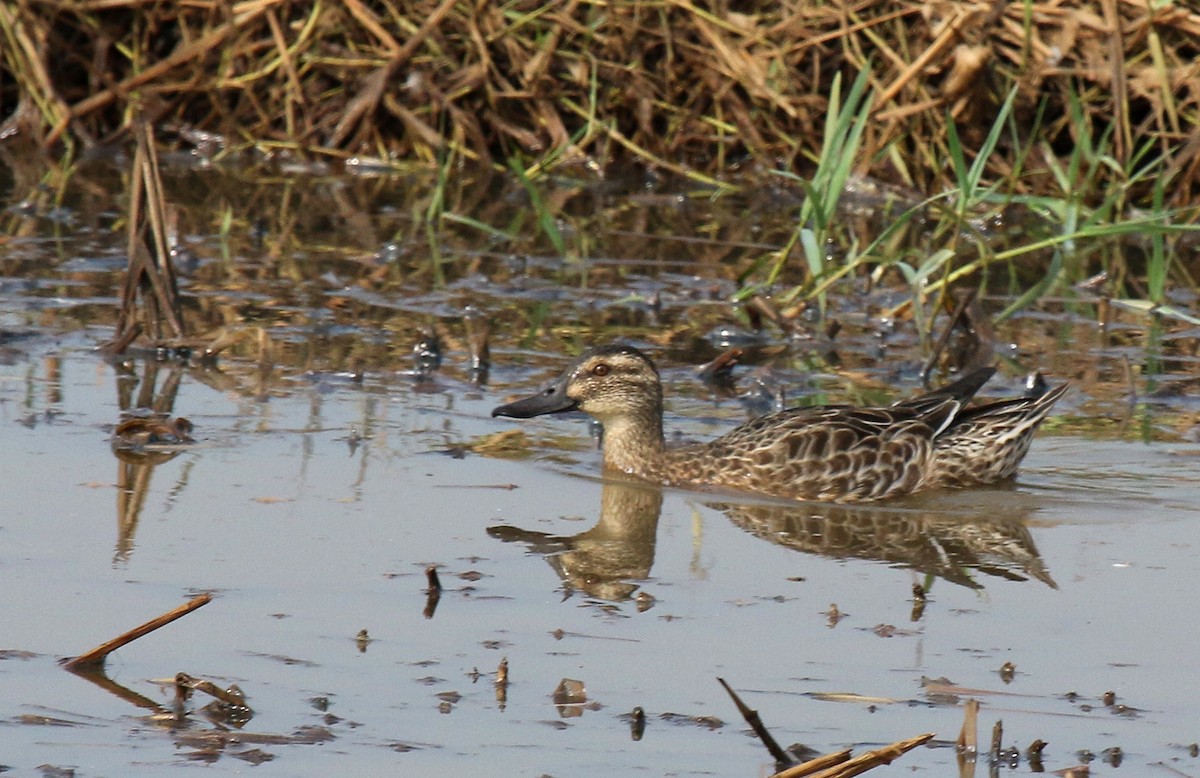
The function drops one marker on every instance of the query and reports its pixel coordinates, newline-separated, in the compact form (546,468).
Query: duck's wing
(823,453)
(962,390)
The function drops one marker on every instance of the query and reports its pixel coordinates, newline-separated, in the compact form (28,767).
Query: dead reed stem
(95,658)
(675,87)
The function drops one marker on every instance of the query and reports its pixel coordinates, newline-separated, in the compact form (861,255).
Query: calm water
(312,504)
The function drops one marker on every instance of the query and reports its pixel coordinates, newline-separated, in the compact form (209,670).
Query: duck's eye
(601,370)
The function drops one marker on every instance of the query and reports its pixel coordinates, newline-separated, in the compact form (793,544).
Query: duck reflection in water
(950,539)
(605,561)
(948,542)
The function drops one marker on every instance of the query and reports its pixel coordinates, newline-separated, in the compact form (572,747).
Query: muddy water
(332,467)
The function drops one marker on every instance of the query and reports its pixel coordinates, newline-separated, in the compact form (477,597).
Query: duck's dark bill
(552,399)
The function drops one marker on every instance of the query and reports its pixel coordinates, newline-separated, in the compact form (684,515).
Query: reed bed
(707,90)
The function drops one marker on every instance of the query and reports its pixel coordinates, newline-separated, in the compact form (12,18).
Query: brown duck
(839,453)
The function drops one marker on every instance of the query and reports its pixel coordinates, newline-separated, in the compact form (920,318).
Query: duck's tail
(986,443)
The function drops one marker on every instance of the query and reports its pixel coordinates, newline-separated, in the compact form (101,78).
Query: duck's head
(607,383)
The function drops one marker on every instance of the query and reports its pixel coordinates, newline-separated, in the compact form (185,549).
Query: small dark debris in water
(54,771)
(428,353)
(45,721)
(478,328)
(450,697)
(178,354)
(12,653)
(431,577)
(445,707)
(185,260)
(556,724)
(644,601)
(1007,671)
(637,723)
(720,370)
(764,395)
(1035,386)
(570,692)
(319,703)
(495,645)
(287,660)
(708,722)
(1125,710)
(728,337)
(1071,696)
(885,630)
(389,253)
(228,705)
(1194,750)
(1034,755)
(253,756)
(403,748)
(1009,757)
(1114,756)
(471,575)
(1109,698)
(362,640)
(502,684)
(1085,756)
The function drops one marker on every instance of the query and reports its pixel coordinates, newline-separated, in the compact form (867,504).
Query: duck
(831,453)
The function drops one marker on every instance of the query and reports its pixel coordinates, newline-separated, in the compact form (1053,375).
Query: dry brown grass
(703,89)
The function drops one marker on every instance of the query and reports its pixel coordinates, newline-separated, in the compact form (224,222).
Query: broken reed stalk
(94,659)
(968,743)
(815,765)
(751,717)
(868,761)
(149,269)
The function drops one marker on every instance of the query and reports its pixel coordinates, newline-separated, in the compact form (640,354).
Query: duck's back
(828,453)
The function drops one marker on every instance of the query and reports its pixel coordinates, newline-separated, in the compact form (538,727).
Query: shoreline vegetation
(708,91)
(1061,138)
